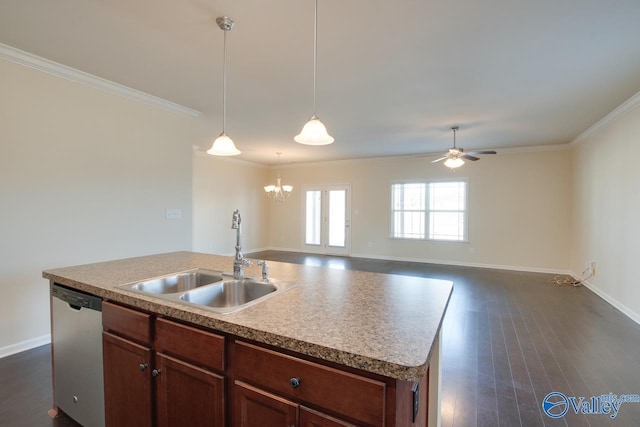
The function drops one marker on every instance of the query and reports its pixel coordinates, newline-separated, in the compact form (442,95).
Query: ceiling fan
(455,155)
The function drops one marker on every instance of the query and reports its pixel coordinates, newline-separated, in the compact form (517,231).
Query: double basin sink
(210,290)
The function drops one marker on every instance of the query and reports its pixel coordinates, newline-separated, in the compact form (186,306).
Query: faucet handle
(246,261)
(265,269)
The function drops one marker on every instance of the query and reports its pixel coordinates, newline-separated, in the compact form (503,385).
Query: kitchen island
(384,328)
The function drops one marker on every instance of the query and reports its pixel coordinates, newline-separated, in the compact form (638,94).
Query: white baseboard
(463,264)
(24,345)
(608,298)
(443,262)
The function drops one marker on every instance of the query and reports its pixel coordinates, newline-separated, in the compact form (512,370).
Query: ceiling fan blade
(438,160)
(468,157)
(481,152)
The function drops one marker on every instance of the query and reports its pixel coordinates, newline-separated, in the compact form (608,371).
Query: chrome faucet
(239,262)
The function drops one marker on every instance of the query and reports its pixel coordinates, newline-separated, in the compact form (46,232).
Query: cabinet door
(255,407)
(311,418)
(127,382)
(187,395)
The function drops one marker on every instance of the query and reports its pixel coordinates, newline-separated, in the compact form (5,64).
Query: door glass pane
(337,217)
(313,213)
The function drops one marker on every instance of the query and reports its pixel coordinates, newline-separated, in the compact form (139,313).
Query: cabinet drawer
(126,322)
(194,345)
(353,396)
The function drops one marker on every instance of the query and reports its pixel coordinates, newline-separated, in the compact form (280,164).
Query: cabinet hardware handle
(155,372)
(142,367)
(295,382)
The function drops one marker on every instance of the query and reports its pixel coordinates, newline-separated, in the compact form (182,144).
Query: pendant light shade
(314,131)
(223,145)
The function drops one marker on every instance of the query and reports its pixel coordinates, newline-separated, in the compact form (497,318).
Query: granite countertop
(380,323)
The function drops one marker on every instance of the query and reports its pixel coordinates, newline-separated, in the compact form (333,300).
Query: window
(429,210)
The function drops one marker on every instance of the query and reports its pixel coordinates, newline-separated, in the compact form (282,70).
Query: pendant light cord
(315,56)
(224,84)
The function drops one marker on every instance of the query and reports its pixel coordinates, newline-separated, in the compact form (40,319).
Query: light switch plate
(173,213)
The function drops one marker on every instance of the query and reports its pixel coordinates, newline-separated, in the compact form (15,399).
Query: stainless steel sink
(210,290)
(230,293)
(178,282)
(234,294)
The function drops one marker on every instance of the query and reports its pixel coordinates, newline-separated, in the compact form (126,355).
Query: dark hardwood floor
(509,339)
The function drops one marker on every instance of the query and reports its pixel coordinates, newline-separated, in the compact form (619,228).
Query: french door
(326,225)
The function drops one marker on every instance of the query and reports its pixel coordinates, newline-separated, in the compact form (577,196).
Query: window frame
(427,210)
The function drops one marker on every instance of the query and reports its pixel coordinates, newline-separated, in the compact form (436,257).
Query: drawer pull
(142,367)
(295,382)
(155,372)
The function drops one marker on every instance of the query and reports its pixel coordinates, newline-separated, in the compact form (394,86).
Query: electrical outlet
(592,266)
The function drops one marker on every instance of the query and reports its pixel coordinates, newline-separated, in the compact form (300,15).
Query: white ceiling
(393,76)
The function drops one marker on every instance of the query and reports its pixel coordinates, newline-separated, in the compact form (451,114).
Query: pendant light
(223,145)
(314,132)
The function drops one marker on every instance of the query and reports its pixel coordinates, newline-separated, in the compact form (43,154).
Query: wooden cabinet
(351,396)
(311,418)
(255,407)
(182,367)
(187,395)
(127,382)
(159,372)
(188,391)
(127,366)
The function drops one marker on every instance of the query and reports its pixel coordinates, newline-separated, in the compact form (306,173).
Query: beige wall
(221,185)
(519,209)
(84,176)
(606,225)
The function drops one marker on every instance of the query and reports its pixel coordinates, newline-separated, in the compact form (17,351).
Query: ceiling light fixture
(223,145)
(278,191)
(314,132)
(454,162)
(454,156)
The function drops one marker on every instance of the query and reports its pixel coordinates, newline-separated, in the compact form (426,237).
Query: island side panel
(435,383)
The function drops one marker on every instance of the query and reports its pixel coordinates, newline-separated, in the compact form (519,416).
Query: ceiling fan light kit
(454,157)
(223,145)
(314,131)
(454,163)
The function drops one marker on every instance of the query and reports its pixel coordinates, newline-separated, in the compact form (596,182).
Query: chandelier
(278,191)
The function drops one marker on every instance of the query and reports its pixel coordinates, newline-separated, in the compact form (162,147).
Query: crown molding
(607,120)
(11,54)
(503,151)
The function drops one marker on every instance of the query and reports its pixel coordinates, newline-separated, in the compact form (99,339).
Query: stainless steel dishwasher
(77,355)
